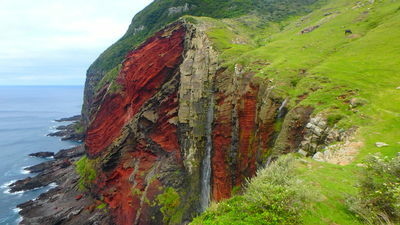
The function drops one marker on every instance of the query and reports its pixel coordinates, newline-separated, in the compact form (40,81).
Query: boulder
(302,152)
(356,102)
(42,154)
(381,144)
(319,156)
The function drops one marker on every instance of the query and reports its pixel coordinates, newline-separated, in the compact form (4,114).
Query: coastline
(49,174)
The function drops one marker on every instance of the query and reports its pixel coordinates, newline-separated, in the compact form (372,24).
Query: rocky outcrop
(70,119)
(70,132)
(42,154)
(179,127)
(181,123)
(243,130)
(54,171)
(64,203)
(318,135)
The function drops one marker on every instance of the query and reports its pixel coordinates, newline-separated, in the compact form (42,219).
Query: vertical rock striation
(180,127)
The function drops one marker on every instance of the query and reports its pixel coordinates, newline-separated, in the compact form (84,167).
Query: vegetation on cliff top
(313,62)
(378,198)
(351,79)
(275,196)
(161,12)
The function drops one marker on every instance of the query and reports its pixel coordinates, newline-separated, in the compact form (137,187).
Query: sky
(53,42)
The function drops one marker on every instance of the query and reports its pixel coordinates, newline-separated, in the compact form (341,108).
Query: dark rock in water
(70,153)
(70,132)
(64,204)
(49,172)
(31,183)
(70,119)
(60,206)
(42,154)
(40,167)
(58,134)
(73,137)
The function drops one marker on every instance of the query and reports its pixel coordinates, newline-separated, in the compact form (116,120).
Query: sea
(27,115)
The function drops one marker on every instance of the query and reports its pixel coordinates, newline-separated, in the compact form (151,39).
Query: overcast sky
(53,42)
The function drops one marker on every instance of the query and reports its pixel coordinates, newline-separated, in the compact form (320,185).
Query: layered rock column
(177,118)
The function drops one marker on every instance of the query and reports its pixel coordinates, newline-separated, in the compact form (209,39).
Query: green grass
(170,202)
(110,79)
(335,184)
(157,15)
(275,196)
(329,68)
(85,168)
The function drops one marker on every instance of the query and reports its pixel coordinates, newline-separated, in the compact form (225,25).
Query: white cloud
(71,34)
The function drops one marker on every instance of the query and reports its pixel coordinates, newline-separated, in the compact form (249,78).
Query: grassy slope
(157,15)
(366,63)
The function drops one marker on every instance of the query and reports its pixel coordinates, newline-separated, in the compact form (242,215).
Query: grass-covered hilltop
(343,60)
(305,92)
(161,12)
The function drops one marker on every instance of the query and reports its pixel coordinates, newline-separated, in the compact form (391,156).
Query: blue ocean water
(27,114)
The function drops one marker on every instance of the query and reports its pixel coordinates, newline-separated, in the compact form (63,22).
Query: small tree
(378,199)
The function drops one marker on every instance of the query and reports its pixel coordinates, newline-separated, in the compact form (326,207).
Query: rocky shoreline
(64,202)
(70,132)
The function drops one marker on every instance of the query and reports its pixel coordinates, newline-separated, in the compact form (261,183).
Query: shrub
(79,128)
(87,173)
(378,199)
(169,202)
(334,119)
(274,196)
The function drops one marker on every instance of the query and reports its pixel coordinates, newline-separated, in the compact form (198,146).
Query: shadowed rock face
(144,72)
(151,136)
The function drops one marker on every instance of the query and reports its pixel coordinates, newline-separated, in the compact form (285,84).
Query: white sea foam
(53,129)
(17,210)
(19,220)
(24,171)
(52,185)
(6,185)
(8,191)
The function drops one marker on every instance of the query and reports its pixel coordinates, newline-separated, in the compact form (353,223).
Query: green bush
(79,128)
(157,15)
(274,196)
(87,172)
(170,202)
(334,119)
(378,199)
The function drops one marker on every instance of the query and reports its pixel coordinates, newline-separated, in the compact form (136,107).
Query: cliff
(162,12)
(179,123)
(179,115)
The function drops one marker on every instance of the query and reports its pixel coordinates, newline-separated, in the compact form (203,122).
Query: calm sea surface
(27,114)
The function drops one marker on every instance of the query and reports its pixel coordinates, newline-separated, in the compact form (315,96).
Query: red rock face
(247,128)
(142,121)
(222,142)
(131,187)
(127,191)
(132,184)
(143,73)
(241,134)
